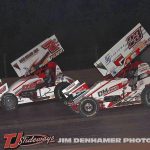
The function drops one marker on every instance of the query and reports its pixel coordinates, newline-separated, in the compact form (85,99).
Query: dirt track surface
(53,118)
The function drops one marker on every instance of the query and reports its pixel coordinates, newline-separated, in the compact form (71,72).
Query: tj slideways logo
(14,140)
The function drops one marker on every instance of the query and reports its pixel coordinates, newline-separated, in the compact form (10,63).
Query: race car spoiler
(37,57)
(122,53)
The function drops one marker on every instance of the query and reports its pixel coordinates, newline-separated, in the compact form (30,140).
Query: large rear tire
(58,91)
(145,96)
(88,107)
(9,102)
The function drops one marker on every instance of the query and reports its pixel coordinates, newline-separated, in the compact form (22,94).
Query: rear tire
(9,102)
(145,96)
(58,91)
(88,107)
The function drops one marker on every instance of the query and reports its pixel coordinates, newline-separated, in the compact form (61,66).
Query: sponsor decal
(81,88)
(51,45)
(103,92)
(31,86)
(16,66)
(3,89)
(108,59)
(14,140)
(110,90)
(29,55)
(134,38)
(119,61)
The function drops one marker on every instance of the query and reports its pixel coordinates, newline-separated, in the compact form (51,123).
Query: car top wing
(122,53)
(38,56)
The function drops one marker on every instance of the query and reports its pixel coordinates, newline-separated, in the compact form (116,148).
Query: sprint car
(125,83)
(38,76)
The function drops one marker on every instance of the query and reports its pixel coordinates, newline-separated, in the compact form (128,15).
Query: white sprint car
(38,76)
(126,83)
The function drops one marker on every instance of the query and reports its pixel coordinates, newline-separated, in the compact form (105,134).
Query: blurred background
(86,29)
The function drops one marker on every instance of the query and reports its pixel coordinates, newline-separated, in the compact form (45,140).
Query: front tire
(145,96)
(58,91)
(88,107)
(9,102)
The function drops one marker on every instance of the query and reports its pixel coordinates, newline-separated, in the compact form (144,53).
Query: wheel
(9,102)
(88,107)
(58,91)
(145,96)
